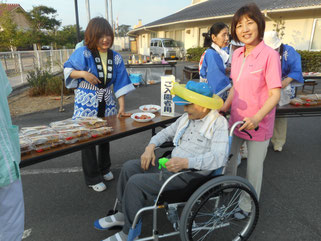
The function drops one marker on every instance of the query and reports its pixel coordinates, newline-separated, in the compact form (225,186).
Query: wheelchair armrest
(167,144)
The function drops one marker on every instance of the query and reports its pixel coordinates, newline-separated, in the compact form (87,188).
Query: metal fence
(18,64)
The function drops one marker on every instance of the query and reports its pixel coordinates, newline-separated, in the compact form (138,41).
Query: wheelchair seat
(183,194)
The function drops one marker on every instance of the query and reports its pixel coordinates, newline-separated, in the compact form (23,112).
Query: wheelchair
(209,208)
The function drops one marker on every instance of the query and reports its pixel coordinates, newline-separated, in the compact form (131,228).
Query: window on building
(316,35)
(153,35)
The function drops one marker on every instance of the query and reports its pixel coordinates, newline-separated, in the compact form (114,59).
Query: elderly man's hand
(175,164)
(147,157)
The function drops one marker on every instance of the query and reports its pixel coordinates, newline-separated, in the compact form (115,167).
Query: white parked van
(164,47)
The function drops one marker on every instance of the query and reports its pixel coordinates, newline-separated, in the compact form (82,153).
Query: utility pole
(106,9)
(111,13)
(77,21)
(88,10)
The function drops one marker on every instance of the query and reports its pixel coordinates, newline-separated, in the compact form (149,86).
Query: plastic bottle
(133,59)
(144,61)
(130,60)
(139,59)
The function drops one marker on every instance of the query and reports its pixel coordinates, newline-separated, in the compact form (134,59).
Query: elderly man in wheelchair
(192,182)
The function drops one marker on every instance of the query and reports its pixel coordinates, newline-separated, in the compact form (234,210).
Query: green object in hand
(162,162)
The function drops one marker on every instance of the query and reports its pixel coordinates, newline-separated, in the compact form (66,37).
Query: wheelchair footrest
(133,233)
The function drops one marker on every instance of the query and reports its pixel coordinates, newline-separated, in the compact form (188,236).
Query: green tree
(67,36)
(123,30)
(10,37)
(44,24)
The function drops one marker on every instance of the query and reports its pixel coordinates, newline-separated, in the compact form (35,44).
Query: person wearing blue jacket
(212,65)
(291,75)
(99,76)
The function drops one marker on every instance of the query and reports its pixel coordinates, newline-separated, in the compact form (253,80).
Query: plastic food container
(62,123)
(297,101)
(91,122)
(69,127)
(25,145)
(45,142)
(71,136)
(100,131)
(37,131)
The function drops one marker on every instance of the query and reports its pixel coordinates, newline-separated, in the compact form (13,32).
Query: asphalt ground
(60,207)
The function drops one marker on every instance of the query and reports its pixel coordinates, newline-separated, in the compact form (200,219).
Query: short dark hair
(253,12)
(215,29)
(96,28)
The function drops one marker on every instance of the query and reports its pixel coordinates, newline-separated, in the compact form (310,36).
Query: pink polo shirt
(252,77)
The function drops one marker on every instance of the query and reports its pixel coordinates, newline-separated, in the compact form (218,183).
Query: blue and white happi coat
(291,67)
(86,94)
(212,71)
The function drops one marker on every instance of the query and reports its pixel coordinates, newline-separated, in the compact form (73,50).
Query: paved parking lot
(59,206)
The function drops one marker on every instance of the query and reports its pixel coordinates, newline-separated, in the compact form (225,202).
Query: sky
(128,11)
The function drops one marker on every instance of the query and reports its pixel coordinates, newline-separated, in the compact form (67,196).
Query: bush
(42,82)
(311,60)
(194,54)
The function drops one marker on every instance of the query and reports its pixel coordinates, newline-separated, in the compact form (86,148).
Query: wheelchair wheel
(213,213)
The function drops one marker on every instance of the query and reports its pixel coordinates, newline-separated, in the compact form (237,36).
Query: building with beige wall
(301,20)
(16,12)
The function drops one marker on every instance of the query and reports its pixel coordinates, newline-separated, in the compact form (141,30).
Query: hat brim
(180,101)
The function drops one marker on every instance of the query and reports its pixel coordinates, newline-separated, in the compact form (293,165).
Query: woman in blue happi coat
(212,65)
(93,69)
(291,76)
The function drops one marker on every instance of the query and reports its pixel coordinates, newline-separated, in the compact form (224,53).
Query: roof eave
(146,28)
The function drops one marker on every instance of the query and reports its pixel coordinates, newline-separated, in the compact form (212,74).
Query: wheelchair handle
(245,131)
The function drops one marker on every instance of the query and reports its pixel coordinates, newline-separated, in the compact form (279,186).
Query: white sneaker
(99,187)
(108,222)
(109,176)
(278,148)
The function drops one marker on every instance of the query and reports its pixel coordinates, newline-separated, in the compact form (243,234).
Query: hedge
(194,54)
(311,60)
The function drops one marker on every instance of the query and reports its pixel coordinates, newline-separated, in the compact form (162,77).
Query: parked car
(164,47)
(45,47)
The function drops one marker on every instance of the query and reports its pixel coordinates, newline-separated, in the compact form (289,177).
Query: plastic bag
(286,94)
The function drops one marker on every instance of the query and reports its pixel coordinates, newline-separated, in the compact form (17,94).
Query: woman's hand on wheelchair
(176,164)
(148,157)
(250,123)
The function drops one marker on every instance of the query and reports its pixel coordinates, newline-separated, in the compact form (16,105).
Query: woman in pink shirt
(256,76)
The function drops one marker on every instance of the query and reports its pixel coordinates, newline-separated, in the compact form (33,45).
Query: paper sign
(167,104)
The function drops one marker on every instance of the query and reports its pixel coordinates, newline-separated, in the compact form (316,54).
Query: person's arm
(294,67)
(253,121)
(227,104)
(211,160)
(121,103)
(164,135)
(78,74)
(286,81)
